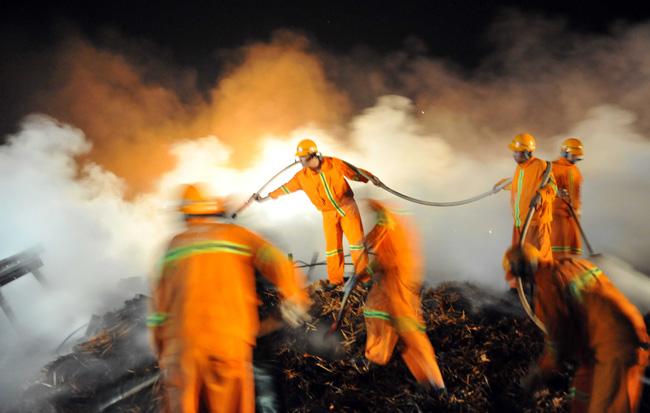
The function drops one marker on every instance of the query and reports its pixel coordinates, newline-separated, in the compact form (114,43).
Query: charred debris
(484,344)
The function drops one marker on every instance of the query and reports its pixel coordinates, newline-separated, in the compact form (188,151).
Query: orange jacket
(525,184)
(582,310)
(327,190)
(396,246)
(206,287)
(567,176)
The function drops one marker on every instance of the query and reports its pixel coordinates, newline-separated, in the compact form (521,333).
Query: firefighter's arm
(353,173)
(292,186)
(273,265)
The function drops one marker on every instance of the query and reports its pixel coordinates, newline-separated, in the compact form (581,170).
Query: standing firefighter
(590,322)
(323,180)
(527,192)
(393,309)
(205,321)
(565,234)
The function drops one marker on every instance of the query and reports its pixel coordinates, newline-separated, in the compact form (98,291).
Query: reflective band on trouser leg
(157,319)
(381,336)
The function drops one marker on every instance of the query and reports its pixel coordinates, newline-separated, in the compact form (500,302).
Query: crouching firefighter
(589,322)
(205,320)
(393,309)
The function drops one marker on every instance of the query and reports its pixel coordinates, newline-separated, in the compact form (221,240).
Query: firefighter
(589,322)
(323,180)
(526,193)
(393,309)
(565,234)
(205,320)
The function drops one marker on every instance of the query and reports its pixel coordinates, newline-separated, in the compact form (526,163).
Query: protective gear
(522,143)
(393,309)
(306,147)
(196,203)
(573,146)
(331,194)
(294,314)
(590,321)
(521,261)
(204,319)
(565,234)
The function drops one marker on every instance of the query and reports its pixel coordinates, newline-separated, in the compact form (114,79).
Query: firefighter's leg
(334,247)
(581,389)
(228,378)
(181,379)
(381,335)
(353,230)
(560,237)
(418,352)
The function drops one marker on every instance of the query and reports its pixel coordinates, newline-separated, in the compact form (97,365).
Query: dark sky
(193,29)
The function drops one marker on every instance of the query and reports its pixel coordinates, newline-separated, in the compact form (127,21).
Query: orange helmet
(573,146)
(521,261)
(522,142)
(196,203)
(306,147)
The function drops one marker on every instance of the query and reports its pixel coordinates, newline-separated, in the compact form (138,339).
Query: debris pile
(482,349)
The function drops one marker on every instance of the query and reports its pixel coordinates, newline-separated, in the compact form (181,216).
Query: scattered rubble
(483,343)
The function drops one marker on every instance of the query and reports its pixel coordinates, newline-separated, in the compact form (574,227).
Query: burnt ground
(484,344)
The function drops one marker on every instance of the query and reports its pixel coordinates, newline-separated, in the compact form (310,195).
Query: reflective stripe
(333,252)
(553,186)
(572,193)
(517,198)
(206,247)
(330,196)
(376,314)
(567,248)
(551,346)
(573,393)
(284,188)
(157,319)
(582,282)
(407,324)
(357,247)
(266,254)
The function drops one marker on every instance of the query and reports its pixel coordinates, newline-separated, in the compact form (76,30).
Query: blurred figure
(590,322)
(205,320)
(323,180)
(393,309)
(526,193)
(565,234)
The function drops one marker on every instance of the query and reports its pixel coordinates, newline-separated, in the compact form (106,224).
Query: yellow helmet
(196,203)
(521,261)
(306,147)
(573,146)
(522,142)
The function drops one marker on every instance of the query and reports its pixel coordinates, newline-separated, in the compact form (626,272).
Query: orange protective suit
(205,321)
(332,195)
(591,322)
(565,234)
(525,184)
(393,307)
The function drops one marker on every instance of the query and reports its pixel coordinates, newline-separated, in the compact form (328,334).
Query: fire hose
(252,198)
(522,238)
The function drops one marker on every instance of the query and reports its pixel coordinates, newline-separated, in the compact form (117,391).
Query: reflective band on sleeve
(583,282)
(157,319)
(284,188)
(328,191)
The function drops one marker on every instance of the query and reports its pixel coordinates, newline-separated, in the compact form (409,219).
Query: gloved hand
(562,193)
(294,314)
(533,379)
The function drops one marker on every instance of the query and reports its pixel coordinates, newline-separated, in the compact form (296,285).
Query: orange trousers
(334,226)
(612,384)
(539,237)
(222,380)
(565,237)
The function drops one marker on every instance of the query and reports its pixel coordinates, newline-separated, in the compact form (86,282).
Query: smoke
(89,179)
